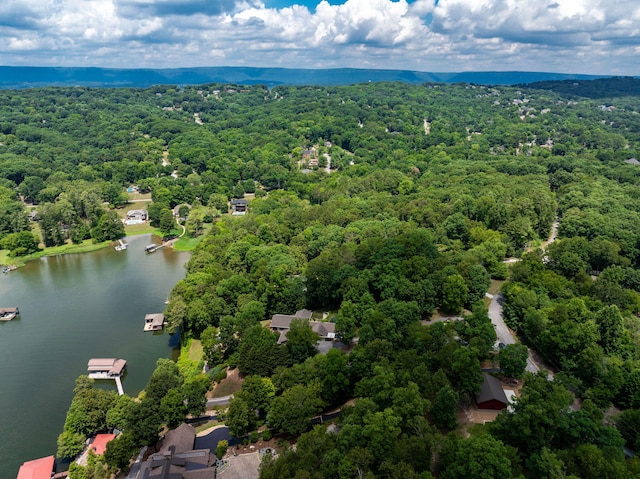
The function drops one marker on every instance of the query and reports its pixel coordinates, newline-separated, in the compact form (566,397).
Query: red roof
(37,469)
(99,444)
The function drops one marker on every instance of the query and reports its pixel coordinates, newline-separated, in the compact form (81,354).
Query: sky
(569,36)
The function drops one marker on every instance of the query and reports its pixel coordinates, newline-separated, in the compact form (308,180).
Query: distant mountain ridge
(31,77)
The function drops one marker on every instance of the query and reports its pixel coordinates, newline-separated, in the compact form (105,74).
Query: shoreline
(21,261)
(87,246)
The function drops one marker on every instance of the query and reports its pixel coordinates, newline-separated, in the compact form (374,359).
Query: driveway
(221,401)
(495,314)
(503,332)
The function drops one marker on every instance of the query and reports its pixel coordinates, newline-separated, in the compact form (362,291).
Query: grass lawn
(495,286)
(142,229)
(318,315)
(477,429)
(195,350)
(189,362)
(187,244)
(84,247)
(4,257)
(138,196)
(208,425)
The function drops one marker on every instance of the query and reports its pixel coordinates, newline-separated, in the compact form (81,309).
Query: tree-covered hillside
(377,204)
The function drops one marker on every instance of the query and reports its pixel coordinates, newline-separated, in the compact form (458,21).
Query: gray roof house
(491,395)
(135,217)
(281,323)
(178,460)
(238,206)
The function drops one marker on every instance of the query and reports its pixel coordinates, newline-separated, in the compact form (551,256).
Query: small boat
(151,248)
(7,314)
(9,268)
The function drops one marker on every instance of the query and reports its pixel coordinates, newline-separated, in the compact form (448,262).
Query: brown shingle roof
(110,365)
(156,319)
(280,321)
(181,437)
(304,314)
(324,329)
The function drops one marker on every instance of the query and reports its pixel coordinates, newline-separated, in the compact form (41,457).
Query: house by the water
(37,469)
(281,323)
(178,459)
(154,322)
(136,217)
(106,368)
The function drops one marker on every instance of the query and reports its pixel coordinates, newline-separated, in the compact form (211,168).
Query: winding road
(505,335)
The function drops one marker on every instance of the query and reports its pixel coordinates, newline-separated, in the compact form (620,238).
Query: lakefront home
(37,469)
(281,323)
(99,368)
(178,459)
(136,217)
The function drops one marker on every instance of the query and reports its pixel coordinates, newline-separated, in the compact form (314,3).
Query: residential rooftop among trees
(429,189)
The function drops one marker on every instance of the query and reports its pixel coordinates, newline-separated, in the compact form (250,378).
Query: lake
(73,308)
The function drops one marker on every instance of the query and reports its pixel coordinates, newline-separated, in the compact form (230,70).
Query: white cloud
(588,36)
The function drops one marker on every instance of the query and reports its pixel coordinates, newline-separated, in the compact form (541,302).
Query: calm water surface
(73,308)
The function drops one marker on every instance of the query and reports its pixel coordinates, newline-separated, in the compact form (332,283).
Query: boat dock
(152,247)
(154,322)
(7,314)
(107,368)
(121,246)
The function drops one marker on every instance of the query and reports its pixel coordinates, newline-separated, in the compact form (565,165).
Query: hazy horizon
(592,37)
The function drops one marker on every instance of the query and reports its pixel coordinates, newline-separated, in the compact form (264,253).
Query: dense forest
(375,206)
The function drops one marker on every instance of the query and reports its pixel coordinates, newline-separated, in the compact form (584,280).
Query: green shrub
(222,447)
(254,436)
(267,434)
(218,373)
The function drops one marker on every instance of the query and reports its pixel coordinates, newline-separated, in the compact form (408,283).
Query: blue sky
(574,36)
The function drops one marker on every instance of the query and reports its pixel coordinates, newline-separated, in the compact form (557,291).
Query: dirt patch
(473,415)
(495,286)
(229,385)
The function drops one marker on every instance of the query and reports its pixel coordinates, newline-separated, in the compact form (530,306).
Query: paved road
(503,332)
(533,367)
(495,314)
(327,168)
(222,401)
